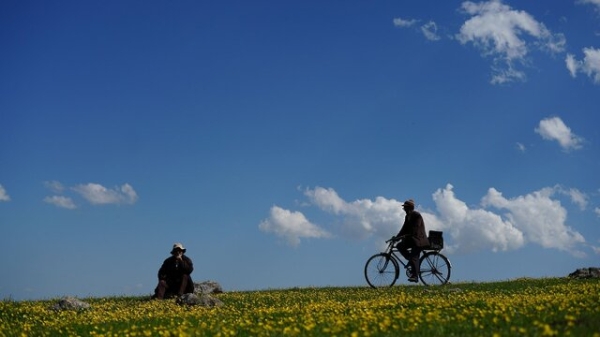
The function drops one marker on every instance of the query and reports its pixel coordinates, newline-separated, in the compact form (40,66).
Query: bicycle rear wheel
(381,270)
(434,269)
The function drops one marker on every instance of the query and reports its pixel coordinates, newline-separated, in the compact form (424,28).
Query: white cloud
(572,64)
(98,194)
(474,229)
(521,147)
(590,65)
(94,193)
(597,211)
(327,199)
(534,217)
(398,22)
(361,218)
(577,197)
(554,128)
(3,194)
(128,193)
(60,201)
(54,186)
(539,217)
(430,31)
(502,33)
(593,2)
(291,226)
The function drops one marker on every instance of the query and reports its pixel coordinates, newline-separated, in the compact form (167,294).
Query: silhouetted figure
(174,275)
(414,238)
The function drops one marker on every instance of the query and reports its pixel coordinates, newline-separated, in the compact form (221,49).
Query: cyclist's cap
(410,203)
(178,246)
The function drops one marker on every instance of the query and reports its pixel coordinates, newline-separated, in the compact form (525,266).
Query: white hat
(177,246)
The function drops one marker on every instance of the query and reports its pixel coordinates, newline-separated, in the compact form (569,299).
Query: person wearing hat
(174,275)
(413,238)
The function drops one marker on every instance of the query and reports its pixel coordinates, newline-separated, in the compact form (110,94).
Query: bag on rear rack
(436,240)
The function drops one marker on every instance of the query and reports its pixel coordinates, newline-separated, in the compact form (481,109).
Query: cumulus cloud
(292,226)
(54,186)
(60,201)
(506,35)
(592,2)
(572,65)
(590,65)
(3,194)
(577,197)
(361,218)
(399,22)
(533,218)
(554,128)
(541,219)
(430,31)
(474,229)
(97,194)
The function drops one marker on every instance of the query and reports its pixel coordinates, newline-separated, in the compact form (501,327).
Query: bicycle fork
(383,263)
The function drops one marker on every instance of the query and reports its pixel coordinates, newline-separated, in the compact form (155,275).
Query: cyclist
(414,238)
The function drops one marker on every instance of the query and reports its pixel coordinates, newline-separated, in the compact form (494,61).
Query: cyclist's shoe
(414,279)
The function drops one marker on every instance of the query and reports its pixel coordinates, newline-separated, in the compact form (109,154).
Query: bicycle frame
(394,253)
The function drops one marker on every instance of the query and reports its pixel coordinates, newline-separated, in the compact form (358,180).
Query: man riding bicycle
(413,238)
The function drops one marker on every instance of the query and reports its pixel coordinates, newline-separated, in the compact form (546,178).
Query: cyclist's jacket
(414,229)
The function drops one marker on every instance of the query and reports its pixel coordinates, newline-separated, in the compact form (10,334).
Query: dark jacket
(173,270)
(414,229)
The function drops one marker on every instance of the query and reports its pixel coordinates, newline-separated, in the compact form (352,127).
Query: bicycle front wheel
(381,270)
(434,269)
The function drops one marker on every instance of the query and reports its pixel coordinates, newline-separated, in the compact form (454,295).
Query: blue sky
(277,140)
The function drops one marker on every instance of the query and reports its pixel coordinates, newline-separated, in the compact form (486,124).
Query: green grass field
(526,307)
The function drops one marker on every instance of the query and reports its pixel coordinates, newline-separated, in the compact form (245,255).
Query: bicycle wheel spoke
(382,264)
(381,271)
(435,269)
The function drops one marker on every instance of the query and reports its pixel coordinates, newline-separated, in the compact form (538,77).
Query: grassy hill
(524,307)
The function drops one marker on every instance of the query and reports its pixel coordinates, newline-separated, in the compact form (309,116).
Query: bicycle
(383,269)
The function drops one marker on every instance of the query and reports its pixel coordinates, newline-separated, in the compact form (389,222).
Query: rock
(70,303)
(582,273)
(207,287)
(201,300)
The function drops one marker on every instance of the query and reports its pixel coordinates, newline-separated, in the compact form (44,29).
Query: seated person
(174,275)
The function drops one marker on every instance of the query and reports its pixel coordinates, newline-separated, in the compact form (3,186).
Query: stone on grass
(201,300)
(207,287)
(586,273)
(70,303)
